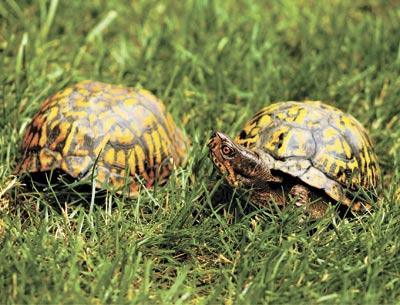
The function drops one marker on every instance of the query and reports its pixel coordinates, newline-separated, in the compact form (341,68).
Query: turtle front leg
(302,196)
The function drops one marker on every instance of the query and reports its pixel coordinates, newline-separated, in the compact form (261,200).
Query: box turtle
(309,151)
(122,132)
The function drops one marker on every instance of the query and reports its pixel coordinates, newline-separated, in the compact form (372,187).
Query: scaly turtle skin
(299,149)
(123,132)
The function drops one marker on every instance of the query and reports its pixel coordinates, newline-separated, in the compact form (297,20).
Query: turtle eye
(227,151)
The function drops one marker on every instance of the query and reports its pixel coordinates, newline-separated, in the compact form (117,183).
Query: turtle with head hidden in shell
(123,135)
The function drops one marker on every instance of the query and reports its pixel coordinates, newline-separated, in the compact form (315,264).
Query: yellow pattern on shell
(157,146)
(109,156)
(335,142)
(140,157)
(97,124)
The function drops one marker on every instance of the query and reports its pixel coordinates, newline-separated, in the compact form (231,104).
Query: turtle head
(241,166)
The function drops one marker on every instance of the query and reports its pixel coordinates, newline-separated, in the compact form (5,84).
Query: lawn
(213,63)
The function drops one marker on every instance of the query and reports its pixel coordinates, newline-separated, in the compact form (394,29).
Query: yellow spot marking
(247,142)
(69,139)
(66,92)
(311,124)
(355,178)
(81,152)
(285,144)
(157,146)
(347,149)
(109,156)
(272,108)
(43,136)
(63,126)
(293,110)
(271,145)
(54,124)
(329,133)
(101,145)
(52,114)
(150,147)
(164,140)
(362,160)
(290,119)
(130,101)
(281,116)
(75,169)
(247,129)
(124,137)
(265,120)
(132,161)
(149,120)
(301,115)
(339,165)
(254,132)
(252,137)
(120,158)
(329,162)
(64,166)
(141,157)
(76,114)
(347,121)
(47,159)
(82,103)
(367,158)
(108,97)
(353,164)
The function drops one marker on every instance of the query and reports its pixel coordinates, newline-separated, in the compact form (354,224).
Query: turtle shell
(317,143)
(120,132)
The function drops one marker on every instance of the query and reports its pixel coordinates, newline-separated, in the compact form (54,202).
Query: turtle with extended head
(307,151)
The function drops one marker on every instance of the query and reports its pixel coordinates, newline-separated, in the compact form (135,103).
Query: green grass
(214,63)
